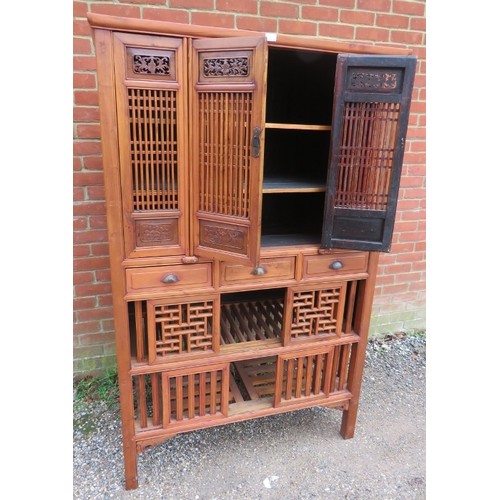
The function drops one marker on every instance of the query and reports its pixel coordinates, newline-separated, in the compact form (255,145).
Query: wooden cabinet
(249,186)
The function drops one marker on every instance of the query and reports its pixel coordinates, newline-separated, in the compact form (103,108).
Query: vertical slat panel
(156,397)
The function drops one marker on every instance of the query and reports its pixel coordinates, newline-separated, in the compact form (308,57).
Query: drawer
(327,266)
(166,278)
(280,268)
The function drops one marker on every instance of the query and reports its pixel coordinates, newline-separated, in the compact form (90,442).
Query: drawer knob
(336,265)
(259,271)
(170,278)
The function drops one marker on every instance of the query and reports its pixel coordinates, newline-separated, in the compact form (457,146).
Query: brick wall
(400,294)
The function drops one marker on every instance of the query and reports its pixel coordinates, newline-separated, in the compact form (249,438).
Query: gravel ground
(296,455)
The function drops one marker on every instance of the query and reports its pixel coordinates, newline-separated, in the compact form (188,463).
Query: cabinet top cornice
(149,26)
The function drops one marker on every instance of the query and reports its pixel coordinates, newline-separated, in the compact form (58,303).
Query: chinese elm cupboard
(250,181)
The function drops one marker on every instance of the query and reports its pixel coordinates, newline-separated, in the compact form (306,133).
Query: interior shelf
(298,126)
(292,185)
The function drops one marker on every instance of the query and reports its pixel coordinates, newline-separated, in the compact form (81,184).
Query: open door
(370,119)
(228,119)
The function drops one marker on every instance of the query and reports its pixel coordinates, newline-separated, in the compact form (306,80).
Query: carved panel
(223,236)
(156,232)
(374,80)
(226,66)
(152,65)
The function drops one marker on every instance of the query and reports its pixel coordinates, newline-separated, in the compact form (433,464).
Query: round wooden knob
(170,278)
(336,265)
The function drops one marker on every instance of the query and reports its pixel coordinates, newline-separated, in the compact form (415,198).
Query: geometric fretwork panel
(316,312)
(183,328)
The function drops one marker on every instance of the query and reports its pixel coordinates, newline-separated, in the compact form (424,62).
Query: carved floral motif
(225,237)
(154,233)
(151,65)
(373,81)
(226,66)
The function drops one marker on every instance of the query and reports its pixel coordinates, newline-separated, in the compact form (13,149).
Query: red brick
(92,289)
(96,193)
(414,236)
(88,327)
(83,278)
(88,208)
(79,223)
(414,158)
(87,178)
(372,34)
(408,277)
(411,257)
(85,114)
(357,17)
(103,276)
(241,6)
(418,23)
(88,131)
(170,15)
(417,146)
(417,286)
(279,9)
(407,37)
(100,249)
(93,162)
(142,2)
(81,28)
(96,338)
(81,251)
(391,21)
(412,8)
(405,227)
(82,46)
(92,263)
(77,164)
(346,4)
(413,215)
(84,80)
(78,194)
(210,19)
(193,4)
(84,63)
(418,170)
(408,181)
(116,10)
(80,9)
(336,31)
(97,222)
(84,303)
(320,13)
(105,300)
(86,148)
(382,5)
(303,1)
(419,266)
(89,236)
(95,313)
(297,27)
(394,290)
(262,24)
(86,97)
(398,269)
(400,248)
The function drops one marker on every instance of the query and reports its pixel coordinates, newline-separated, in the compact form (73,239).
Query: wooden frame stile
(110,153)
(358,354)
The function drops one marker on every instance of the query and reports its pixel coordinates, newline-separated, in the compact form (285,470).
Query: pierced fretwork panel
(225,135)
(195,394)
(302,376)
(317,312)
(366,155)
(153,148)
(181,328)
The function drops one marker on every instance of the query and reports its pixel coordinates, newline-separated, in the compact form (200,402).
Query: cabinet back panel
(300,86)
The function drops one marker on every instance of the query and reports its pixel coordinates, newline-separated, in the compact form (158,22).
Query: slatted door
(227,117)
(151,110)
(370,118)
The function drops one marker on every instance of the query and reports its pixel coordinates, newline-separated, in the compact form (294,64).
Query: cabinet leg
(349,421)
(130,459)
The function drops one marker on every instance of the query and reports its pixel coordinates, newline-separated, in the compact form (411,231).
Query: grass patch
(100,388)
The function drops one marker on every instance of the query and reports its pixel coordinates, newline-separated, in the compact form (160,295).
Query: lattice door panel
(313,313)
(183,328)
(305,375)
(196,393)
